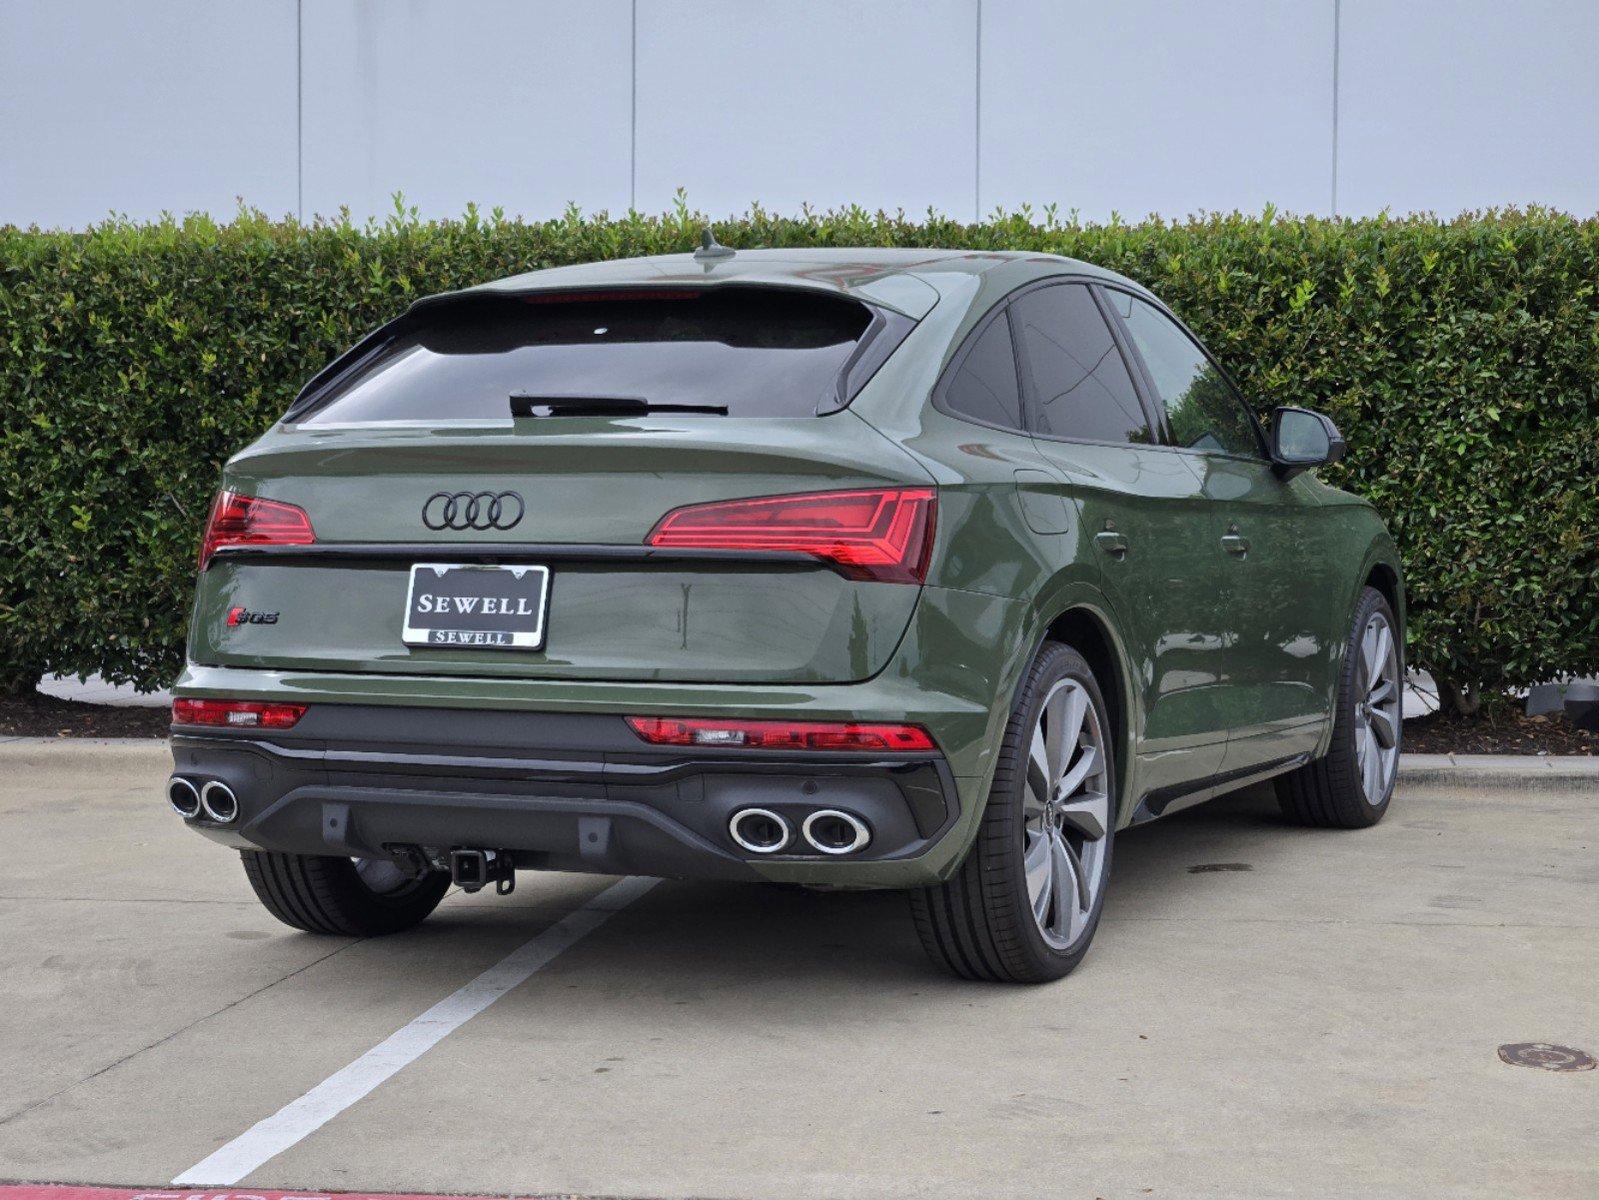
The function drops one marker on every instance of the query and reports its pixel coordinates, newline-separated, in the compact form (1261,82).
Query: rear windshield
(759,352)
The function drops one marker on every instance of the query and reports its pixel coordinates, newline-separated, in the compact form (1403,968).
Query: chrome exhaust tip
(760,830)
(834,832)
(183,797)
(219,802)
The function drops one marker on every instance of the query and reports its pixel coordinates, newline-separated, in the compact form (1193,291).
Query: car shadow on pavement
(724,935)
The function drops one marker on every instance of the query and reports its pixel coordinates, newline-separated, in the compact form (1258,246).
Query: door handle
(1112,543)
(1235,543)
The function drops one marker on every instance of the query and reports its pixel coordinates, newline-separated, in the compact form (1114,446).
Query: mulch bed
(1501,733)
(40,715)
(1498,733)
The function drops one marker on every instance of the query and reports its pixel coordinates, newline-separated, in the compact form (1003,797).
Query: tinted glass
(759,351)
(1080,383)
(1203,410)
(984,386)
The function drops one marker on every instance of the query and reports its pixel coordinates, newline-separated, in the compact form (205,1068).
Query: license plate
(494,607)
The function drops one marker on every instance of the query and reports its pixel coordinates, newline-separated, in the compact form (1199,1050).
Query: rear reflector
(236,714)
(781,735)
(882,534)
(250,521)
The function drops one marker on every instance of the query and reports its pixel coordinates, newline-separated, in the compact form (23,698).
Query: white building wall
(522,104)
(137,108)
(831,101)
(303,106)
(1143,106)
(1469,104)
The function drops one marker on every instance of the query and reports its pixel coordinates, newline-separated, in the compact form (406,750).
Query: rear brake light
(237,714)
(883,534)
(250,521)
(782,735)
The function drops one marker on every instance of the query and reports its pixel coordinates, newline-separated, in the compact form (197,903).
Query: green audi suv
(846,568)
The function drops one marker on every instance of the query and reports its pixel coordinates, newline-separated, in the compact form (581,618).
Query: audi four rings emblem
(472,510)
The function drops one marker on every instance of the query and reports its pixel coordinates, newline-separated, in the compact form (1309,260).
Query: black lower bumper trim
(558,791)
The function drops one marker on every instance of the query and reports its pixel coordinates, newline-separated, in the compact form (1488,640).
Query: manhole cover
(1546,1057)
(1206,868)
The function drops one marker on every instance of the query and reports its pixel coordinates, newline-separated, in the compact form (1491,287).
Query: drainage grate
(1545,1057)
(1206,868)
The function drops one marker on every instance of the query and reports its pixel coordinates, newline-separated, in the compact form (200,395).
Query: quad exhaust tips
(827,831)
(184,797)
(213,800)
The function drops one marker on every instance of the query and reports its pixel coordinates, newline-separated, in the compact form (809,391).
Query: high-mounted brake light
(593,297)
(883,534)
(782,735)
(237,714)
(250,521)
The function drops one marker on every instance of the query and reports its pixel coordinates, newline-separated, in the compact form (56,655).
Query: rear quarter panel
(1023,572)
(1354,534)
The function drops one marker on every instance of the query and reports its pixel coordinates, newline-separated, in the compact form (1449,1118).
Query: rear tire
(322,894)
(1014,911)
(1351,785)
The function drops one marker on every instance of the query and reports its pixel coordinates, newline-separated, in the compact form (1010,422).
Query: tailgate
(588,491)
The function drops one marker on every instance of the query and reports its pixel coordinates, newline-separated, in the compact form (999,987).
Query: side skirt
(1164,801)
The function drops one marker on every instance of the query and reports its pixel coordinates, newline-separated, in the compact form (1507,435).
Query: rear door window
(983,386)
(760,352)
(1081,388)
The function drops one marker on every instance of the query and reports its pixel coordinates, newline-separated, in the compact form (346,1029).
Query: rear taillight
(883,534)
(250,521)
(782,735)
(237,714)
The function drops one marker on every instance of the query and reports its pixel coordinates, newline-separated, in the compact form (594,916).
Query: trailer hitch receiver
(474,870)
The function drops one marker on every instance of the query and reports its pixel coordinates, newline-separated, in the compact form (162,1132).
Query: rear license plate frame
(499,631)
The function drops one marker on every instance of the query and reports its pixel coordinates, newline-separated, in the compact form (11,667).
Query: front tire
(1024,905)
(1351,785)
(353,897)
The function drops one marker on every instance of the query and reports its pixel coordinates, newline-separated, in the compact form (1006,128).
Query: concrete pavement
(1316,1015)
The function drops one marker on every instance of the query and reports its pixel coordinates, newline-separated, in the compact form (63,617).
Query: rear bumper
(561,791)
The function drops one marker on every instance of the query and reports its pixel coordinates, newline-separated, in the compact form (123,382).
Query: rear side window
(1201,407)
(760,352)
(984,388)
(1080,385)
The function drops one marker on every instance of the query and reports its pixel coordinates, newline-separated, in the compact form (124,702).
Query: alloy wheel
(1066,814)
(1377,709)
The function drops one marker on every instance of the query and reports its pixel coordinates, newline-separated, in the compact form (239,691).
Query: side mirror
(1302,440)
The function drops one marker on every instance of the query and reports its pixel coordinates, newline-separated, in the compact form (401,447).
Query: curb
(74,753)
(24,742)
(1539,772)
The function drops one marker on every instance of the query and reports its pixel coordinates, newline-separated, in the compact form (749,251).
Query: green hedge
(1461,359)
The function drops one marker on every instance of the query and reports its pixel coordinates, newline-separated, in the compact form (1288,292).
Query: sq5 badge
(239,615)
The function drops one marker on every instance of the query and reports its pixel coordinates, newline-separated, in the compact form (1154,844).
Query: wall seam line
(632,130)
(299,110)
(1338,34)
(977,121)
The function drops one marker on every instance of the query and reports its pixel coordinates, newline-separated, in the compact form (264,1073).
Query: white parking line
(299,1118)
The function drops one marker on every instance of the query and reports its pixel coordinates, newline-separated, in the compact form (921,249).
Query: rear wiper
(525,405)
